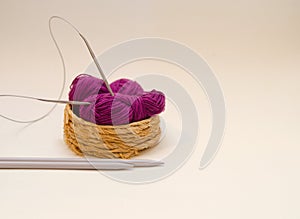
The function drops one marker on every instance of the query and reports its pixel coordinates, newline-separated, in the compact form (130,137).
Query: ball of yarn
(84,86)
(130,102)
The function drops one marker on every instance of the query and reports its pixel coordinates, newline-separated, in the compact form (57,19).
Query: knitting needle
(63,165)
(90,51)
(134,162)
(47,100)
(97,64)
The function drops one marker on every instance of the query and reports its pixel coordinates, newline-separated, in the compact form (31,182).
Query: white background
(254,49)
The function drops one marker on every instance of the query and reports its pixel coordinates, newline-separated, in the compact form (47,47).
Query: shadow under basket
(107,141)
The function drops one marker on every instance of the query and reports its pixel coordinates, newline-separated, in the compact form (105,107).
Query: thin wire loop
(63,81)
(64,76)
(90,51)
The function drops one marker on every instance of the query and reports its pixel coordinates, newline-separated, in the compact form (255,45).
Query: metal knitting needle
(134,162)
(97,64)
(47,100)
(64,165)
(90,51)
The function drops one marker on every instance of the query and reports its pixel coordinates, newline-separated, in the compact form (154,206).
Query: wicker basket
(107,141)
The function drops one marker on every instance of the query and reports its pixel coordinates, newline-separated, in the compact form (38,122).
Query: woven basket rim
(68,106)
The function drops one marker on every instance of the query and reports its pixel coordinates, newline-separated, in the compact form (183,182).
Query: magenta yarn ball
(130,102)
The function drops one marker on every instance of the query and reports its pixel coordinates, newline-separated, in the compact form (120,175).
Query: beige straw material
(107,141)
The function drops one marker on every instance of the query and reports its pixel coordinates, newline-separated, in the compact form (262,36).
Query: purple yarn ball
(84,86)
(129,104)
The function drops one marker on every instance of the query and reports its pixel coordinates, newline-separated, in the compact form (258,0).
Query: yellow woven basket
(107,141)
